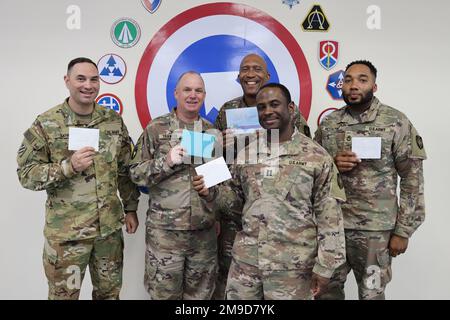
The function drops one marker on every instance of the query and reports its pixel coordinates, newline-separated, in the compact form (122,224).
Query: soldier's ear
(375,88)
(66,80)
(291,108)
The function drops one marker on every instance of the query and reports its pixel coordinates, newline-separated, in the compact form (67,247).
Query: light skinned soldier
(376,227)
(292,238)
(181,254)
(253,74)
(84,215)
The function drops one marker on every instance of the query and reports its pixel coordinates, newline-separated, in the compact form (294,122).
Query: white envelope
(367,147)
(83,137)
(214,172)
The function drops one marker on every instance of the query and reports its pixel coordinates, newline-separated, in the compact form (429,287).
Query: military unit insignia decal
(111,68)
(125,32)
(315,20)
(334,85)
(328,54)
(110,101)
(291,3)
(151,5)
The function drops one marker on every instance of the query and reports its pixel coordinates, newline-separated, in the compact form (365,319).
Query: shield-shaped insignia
(151,5)
(328,53)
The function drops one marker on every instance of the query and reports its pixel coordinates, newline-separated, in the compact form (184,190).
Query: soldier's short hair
(283,89)
(367,63)
(79,60)
(189,72)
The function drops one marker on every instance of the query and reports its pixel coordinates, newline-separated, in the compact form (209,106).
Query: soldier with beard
(376,227)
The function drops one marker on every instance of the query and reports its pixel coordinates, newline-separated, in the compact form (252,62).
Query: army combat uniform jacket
(79,205)
(221,124)
(291,217)
(173,202)
(371,187)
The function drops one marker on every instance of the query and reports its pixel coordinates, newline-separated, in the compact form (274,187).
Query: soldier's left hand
(199,186)
(397,245)
(131,222)
(319,284)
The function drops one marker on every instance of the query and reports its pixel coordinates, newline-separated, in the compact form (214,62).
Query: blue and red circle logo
(212,39)
(110,101)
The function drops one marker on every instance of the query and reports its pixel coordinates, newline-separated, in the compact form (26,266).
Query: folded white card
(214,172)
(367,147)
(83,137)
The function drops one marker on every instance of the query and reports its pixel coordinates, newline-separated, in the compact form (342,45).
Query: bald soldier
(376,227)
(253,74)
(84,215)
(292,238)
(181,255)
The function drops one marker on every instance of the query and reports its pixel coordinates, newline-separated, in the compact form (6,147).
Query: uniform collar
(175,122)
(276,150)
(367,116)
(242,103)
(70,117)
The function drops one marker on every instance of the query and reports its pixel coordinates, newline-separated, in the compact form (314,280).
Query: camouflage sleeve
(129,192)
(230,196)
(145,169)
(35,169)
(300,123)
(408,156)
(221,122)
(327,191)
(318,135)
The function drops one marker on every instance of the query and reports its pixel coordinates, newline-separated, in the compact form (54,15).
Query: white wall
(411,52)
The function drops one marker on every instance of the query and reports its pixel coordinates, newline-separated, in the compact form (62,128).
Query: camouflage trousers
(368,256)
(225,241)
(65,265)
(247,282)
(180,264)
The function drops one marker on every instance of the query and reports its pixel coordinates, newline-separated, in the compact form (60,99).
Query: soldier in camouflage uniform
(252,75)
(292,238)
(181,255)
(376,228)
(84,216)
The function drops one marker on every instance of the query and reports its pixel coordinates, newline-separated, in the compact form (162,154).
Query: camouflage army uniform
(371,213)
(231,222)
(84,215)
(292,223)
(181,255)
